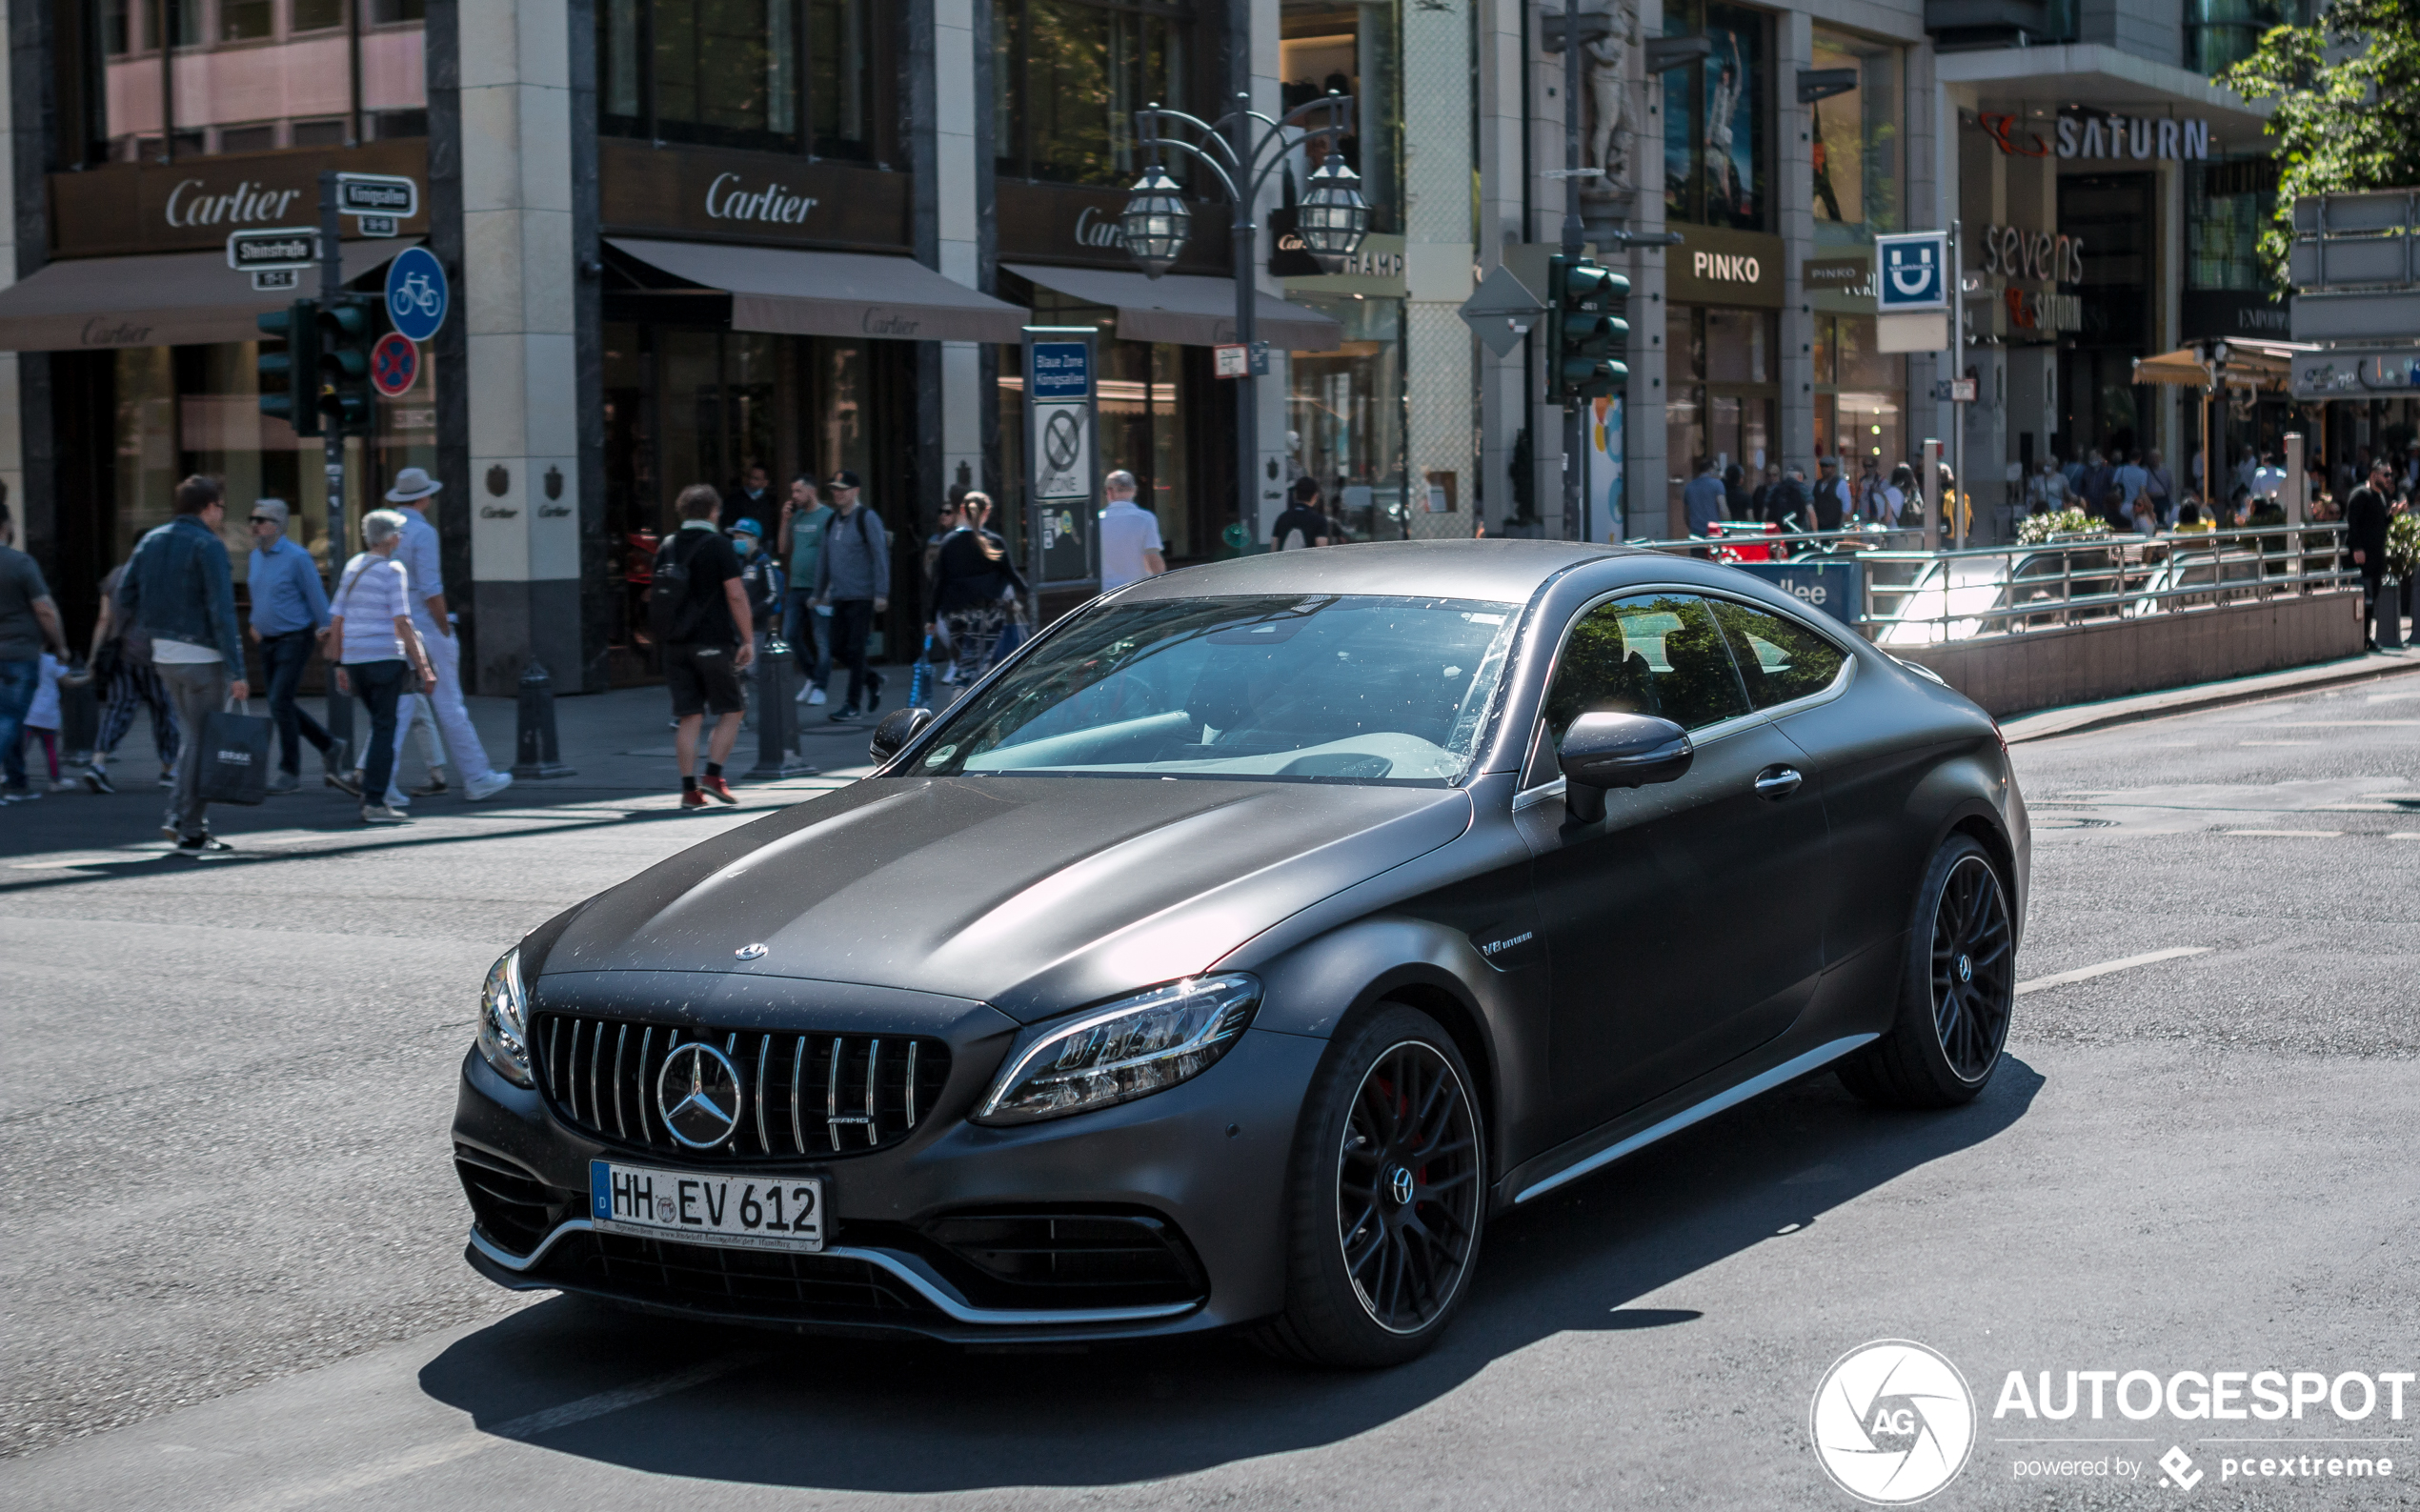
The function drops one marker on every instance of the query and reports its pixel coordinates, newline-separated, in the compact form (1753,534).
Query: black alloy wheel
(1957,989)
(1388,1197)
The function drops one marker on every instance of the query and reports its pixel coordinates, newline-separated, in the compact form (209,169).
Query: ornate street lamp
(1155,221)
(1239,151)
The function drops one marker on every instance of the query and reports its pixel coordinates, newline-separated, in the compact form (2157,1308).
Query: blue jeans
(284,657)
(379,684)
(19,681)
(813,652)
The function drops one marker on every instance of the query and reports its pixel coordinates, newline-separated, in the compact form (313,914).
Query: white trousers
(466,758)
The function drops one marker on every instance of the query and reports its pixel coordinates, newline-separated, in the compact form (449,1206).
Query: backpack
(675,609)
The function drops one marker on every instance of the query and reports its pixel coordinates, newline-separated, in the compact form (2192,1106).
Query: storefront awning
(828,293)
(2248,366)
(1189,310)
(176,299)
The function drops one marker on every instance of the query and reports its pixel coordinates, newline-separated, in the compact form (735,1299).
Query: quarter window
(1779,659)
(1662,656)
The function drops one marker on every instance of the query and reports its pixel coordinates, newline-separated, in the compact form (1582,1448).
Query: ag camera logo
(1893,1422)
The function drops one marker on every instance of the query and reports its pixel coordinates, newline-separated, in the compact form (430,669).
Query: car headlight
(1127,1050)
(504,1021)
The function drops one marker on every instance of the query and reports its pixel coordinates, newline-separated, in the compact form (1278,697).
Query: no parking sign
(395,364)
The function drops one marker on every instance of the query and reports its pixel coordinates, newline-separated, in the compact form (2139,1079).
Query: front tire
(1387,1197)
(1957,989)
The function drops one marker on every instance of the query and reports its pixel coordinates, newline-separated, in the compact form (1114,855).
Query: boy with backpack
(698,608)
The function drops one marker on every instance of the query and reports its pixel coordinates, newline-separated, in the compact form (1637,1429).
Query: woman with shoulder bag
(378,654)
(976,591)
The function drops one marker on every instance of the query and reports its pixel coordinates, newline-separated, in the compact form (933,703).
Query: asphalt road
(233,1273)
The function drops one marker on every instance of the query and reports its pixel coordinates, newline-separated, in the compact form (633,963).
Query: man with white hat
(420,554)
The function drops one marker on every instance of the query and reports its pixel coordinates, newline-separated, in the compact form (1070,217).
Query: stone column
(1437,262)
(519,372)
(1795,192)
(958,111)
(1932,203)
(25,406)
(1501,380)
(1646,470)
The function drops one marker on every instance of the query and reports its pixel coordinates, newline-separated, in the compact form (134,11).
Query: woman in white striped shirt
(377,650)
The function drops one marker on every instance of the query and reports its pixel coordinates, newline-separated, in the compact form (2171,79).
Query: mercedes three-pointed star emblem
(698,1092)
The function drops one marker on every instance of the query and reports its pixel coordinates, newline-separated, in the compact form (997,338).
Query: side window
(1662,656)
(1777,658)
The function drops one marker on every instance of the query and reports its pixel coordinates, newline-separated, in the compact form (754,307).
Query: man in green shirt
(800,543)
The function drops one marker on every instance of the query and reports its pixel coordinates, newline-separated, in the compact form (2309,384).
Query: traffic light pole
(1571,247)
(306,390)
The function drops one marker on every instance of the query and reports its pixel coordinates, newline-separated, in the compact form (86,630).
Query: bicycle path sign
(416,296)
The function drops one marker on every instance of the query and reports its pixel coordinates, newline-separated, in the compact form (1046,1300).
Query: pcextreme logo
(1893,1422)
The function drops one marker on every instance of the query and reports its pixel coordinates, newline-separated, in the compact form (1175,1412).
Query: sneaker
(383,814)
(64,784)
(814,695)
(283,783)
(202,847)
(18,794)
(96,776)
(337,777)
(396,798)
(844,714)
(434,787)
(167,776)
(872,691)
(717,789)
(478,790)
(691,799)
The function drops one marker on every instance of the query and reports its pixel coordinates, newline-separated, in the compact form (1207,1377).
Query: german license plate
(736,1212)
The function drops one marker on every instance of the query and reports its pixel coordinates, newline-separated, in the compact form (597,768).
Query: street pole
(305,387)
(1247,401)
(1571,249)
(1960,488)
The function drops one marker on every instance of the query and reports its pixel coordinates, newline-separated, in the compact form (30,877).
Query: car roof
(1504,569)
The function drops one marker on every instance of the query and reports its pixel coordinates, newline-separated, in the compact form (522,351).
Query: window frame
(1014,160)
(648,125)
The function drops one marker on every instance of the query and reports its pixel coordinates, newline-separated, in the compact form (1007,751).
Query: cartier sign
(193,203)
(714,194)
(1078,225)
(728,198)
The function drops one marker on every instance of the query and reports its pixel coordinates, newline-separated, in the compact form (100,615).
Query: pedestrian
(1791,504)
(2366,514)
(123,673)
(420,556)
(2045,493)
(1737,501)
(1702,501)
(2093,486)
(853,579)
(1831,495)
(1130,546)
(178,589)
(699,610)
(2132,481)
(759,581)
(804,626)
(976,591)
(380,651)
(42,722)
(945,524)
(29,625)
(2160,486)
(290,614)
(1899,494)
(1302,523)
(751,500)
(1760,504)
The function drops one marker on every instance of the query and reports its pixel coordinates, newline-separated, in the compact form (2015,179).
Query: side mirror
(897,728)
(1603,751)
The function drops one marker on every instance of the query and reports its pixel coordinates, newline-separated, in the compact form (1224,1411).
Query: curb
(2084,717)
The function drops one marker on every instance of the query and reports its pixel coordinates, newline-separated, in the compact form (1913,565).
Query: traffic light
(1586,333)
(288,379)
(346,333)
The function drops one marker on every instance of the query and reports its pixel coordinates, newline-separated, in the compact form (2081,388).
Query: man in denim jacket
(178,589)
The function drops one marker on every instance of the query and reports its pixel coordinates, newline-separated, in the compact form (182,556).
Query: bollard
(2387,627)
(537,755)
(776,715)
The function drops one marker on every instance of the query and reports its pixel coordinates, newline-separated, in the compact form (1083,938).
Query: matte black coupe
(1231,955)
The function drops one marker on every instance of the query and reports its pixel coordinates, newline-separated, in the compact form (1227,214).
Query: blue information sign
(1829,584)
(1913,272)
(1062,369)
(417,294)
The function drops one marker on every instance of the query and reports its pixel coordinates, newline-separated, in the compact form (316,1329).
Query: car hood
(1034,894)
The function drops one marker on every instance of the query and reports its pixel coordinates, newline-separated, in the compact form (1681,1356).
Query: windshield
(1338,689)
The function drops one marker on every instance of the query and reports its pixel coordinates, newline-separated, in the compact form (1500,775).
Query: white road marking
(2127,964)
(2392,697)
(2276,742)
(2299,834)
(2336,724)
(429,1456)
(2403,835)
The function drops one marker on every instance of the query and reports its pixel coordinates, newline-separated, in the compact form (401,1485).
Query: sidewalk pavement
(2077,719)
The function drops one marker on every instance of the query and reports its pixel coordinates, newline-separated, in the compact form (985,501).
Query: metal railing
(1920,597)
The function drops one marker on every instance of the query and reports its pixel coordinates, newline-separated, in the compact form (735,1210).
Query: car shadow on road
(856,1417)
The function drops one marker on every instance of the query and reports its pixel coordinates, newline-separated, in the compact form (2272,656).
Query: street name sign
(379,195)
(288,247)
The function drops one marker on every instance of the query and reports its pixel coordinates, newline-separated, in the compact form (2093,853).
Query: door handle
(1775,783)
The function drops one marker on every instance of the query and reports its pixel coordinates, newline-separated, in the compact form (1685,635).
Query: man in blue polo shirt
(289,608)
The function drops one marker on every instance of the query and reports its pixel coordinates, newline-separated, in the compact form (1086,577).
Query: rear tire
(1957,989)
(1386,1199)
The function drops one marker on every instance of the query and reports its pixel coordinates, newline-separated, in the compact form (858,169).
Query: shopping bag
(234,756)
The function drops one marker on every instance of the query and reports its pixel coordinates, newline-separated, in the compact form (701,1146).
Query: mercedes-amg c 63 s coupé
(1229,956)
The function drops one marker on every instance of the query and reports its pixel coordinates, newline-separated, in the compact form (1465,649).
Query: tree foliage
(2347,125)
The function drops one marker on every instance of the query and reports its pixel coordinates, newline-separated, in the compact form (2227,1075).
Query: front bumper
(1198,1170)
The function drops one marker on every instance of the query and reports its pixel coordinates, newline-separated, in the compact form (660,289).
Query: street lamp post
(1240,150)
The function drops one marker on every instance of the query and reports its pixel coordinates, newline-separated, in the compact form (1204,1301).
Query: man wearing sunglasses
(290,612)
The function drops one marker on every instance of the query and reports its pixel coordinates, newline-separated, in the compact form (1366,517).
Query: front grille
(801,1095)
(763,1283)
(1070,1259)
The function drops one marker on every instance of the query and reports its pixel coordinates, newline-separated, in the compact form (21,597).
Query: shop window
(1860,395)
(2226,206)
(1856,142)
(1723,390)
(1068,76)
(1715,145)
(334,84)
(767,76)
(1344,417)
(1351,50)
